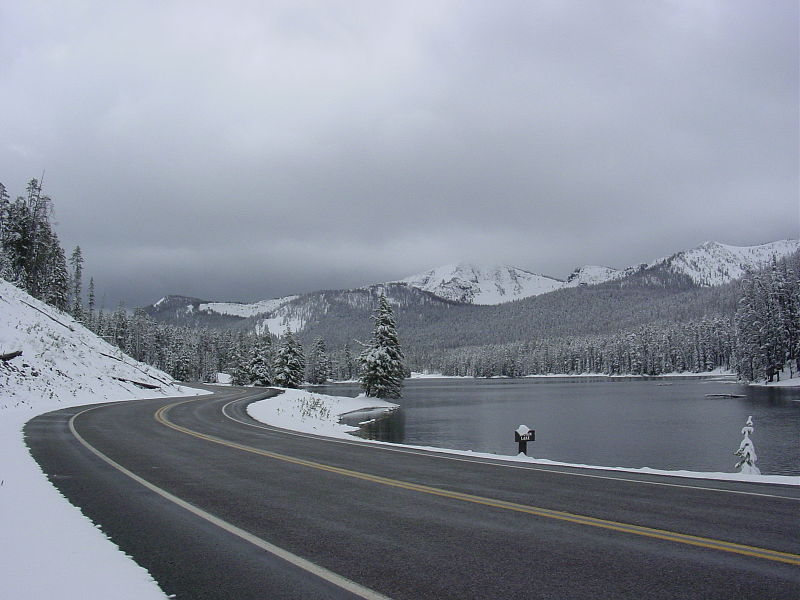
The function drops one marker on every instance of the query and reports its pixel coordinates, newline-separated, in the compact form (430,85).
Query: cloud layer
(259,149)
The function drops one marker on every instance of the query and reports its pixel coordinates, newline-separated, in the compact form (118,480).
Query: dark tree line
(768,321)
(31,256)
(646,350)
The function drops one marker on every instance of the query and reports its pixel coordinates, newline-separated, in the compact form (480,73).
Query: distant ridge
(707,265)
(475,284)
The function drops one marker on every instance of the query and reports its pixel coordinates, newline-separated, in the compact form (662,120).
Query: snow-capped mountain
(713,263)
(592,275)
(475,284)
(709,264)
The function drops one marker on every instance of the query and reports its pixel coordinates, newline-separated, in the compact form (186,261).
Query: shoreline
(290,410)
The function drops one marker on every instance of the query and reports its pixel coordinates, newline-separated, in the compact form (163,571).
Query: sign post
(523,435)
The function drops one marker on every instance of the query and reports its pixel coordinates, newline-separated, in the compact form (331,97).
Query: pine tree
(90,316)
(76,291)
(240,371)
(318,367)
(290,363)
(747,452)
(348,365)
(381,361)
(261,362)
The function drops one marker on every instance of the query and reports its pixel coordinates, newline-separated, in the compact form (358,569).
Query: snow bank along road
(216,505)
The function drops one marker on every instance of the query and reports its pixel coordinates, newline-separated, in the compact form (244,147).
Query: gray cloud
(261,149)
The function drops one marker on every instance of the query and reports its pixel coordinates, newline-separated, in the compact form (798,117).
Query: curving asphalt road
(218,506)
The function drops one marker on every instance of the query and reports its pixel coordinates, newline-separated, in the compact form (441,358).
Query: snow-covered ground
(239,309)
(305,411)
(52,550)
(308,412)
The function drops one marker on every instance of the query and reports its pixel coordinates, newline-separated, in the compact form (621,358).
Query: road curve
(215,505)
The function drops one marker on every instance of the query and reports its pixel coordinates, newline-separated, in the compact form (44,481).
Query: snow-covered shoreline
(307,412)
(716,373)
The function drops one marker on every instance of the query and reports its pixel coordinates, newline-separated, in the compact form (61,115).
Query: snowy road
(402,524)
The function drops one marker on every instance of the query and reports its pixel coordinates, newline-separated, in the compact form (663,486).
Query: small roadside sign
(522,435)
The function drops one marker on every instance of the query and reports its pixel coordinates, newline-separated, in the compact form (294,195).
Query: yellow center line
(774,555)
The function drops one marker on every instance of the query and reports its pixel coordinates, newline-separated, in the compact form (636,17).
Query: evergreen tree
(348,365)
(261,362)
(32,257)
(318,367)
(747,451)
(90,316)
(290,363)
(76,291)
(381,361)
(240,373)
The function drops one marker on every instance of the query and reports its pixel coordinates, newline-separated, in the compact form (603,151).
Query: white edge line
(498,463)
(302,563)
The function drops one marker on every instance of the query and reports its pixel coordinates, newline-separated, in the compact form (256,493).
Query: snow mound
(304,411)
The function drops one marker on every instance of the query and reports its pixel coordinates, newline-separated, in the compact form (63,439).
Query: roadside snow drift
(304,411)
(53,551)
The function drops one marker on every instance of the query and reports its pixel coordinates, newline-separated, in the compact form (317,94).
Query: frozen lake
(664,424)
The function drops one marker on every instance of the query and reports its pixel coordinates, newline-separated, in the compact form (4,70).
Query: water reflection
(378,425)
(635,423)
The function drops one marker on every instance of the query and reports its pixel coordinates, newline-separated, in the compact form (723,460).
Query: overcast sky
(245,150)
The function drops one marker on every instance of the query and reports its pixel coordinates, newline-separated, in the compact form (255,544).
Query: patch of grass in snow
(315,408)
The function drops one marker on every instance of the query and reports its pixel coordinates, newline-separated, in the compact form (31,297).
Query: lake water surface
(660,423)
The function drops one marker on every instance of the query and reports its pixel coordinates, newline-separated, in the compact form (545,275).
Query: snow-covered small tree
(381,361)
(290,364)
(747,452)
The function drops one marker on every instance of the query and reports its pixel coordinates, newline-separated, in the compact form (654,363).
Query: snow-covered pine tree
(76,291)
(240,371)
(261,363)
(318,365)
(747,452)
(290,364)
(381,361)
(348,364)
(90,316)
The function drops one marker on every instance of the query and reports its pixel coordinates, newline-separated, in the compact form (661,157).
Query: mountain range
(708,265)
(440,311)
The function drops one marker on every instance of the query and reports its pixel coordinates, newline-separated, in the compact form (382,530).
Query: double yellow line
(773,555)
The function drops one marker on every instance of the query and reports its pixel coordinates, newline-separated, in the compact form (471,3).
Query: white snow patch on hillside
(53,551)
(477,284)
(713,263)
(319,414)
(278,324)
(238,309)
(592,275)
